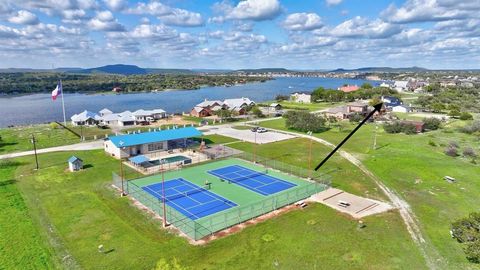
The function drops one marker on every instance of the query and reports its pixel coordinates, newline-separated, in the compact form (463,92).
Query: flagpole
(63,106)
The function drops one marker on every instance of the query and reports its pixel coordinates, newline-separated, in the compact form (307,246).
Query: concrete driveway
(249,136)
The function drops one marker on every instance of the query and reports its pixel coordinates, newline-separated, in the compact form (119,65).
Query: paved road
(73,147)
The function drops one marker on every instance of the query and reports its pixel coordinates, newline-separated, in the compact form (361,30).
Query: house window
(155,147)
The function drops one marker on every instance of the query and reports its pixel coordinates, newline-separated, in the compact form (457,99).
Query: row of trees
(410,128)
(11,83)
(454,100)
(365,92)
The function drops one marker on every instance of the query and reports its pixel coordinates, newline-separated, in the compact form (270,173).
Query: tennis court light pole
(34,141)
(162,161)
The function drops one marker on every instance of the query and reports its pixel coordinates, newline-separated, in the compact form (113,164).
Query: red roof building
(348,88)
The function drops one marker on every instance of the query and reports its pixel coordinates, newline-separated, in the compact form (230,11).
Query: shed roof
(155,136)
(73,159)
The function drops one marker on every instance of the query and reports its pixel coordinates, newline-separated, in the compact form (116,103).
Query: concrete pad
(249,136)
(356,206)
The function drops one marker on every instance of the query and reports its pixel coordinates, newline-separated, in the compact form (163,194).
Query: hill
(113,69)
(381,69)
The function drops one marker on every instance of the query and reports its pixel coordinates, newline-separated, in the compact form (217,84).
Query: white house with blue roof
(124,146)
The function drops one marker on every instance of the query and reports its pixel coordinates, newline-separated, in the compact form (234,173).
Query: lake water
(39,108)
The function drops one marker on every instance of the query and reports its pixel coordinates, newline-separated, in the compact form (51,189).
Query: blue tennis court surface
(189,199)
(259,182)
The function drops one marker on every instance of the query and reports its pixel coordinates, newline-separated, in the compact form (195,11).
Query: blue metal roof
(73,159)
(139,159)
(155,136)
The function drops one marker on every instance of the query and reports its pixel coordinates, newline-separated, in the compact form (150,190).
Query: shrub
(257,112)
(472,128)
(54,125)
(432,143)
(356,117)
(469,152)
(451,151)
(280,98)
(453,144)
(304,121)
(431,123)
(409,128)
(398,127)
(466,116)
(467,232)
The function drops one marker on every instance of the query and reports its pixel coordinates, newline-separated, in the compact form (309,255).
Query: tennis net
(183,194)
(242,178)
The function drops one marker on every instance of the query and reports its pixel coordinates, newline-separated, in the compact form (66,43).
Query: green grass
(400,160)
(21,243)
(18,139)
(85,212)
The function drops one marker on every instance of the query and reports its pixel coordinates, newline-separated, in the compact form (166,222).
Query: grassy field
(415,169)
(19,138)
(82,212)
(21,241)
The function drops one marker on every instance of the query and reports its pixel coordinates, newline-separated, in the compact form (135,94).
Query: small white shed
(75,163)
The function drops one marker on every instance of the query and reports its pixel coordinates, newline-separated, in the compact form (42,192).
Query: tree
(304,121)
(280,98)
(469,152)
(438,107)
(467,232)
(366,86)
(224,114)
(431,123)
(451,151)
(454,113)
(466,116)
(356,117)
(374,101)
(257,112)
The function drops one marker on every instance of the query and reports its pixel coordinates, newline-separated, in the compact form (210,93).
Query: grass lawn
(18,139)
(84,212)
(415,169)
(21,243)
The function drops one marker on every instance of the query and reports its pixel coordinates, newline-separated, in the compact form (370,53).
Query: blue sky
(320,34)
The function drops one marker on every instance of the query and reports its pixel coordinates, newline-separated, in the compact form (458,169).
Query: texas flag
(58,90)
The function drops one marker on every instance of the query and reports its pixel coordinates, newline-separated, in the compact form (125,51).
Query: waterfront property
(301,97)
(349,88)
(211,107)
(109,118)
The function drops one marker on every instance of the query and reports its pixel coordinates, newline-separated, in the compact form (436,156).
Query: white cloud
(248,10)
(154,32)
(104,21)
(431,10)
(333,2)
(302,21)
(24,17)
(115,5)
(360,27)
(169,15)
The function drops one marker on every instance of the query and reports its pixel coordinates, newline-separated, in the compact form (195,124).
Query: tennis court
(189,199)
(256,181)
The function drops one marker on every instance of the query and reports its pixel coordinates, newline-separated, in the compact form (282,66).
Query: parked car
(261,130)
(254,129)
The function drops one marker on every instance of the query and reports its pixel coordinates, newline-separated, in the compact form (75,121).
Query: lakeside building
(124,146)
(301,97)
(349,88)
(109,118)
(346,111)
(211,107)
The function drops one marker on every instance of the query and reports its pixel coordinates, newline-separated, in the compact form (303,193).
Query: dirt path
(411,222)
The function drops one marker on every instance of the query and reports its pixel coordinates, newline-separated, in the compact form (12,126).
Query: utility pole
(34,141)
(255,146)
(310,156)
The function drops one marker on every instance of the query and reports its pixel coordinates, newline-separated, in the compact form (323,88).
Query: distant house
(75,164)
(419,126)
(400,86)
(349,88)
(238,103)
(210,107)
(390,101)
(386,85)
(344,112)
(200,112)
(275,107)
(401,109)
(117,89)
(105,112)
(126,118)
(85,118)
(300,97)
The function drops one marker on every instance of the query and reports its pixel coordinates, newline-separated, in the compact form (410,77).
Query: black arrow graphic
(377,107)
